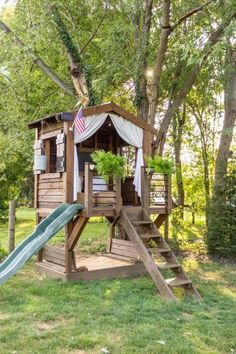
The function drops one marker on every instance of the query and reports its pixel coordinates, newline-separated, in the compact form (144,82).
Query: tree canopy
(171,62)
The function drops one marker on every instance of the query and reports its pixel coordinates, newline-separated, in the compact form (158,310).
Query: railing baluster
(88,189)
(144,188)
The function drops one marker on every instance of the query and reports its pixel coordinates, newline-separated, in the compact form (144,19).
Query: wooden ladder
(141,230)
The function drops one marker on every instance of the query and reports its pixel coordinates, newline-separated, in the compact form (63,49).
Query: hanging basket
(40,163)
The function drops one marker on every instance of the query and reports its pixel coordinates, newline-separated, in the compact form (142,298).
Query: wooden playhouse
(69,176)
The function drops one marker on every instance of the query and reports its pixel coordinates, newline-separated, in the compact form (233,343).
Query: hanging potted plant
(158,164)
(109,165)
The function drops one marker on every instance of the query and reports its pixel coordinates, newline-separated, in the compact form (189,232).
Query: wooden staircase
(142,231)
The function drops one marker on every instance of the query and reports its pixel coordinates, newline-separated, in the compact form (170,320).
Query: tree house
(68,175)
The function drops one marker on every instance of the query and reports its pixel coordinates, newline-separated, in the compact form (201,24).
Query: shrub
(109,165)
(160,165)
(3,253)
(221,236)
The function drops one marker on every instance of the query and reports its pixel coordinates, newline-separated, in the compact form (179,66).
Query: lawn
(42,315)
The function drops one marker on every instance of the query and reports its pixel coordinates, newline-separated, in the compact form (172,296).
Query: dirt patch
(4,316)
(187,315)
(46,326)
(81,352)
(51,325)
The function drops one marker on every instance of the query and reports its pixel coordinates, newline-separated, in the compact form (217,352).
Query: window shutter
(60,163)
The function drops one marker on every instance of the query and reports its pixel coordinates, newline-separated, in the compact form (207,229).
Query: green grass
(42,315)
(93,239)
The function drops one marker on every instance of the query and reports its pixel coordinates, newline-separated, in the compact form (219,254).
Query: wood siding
(49,192)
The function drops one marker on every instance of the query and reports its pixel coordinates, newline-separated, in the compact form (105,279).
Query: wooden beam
(160,219)
(77,231)
(50,134)
(112,233)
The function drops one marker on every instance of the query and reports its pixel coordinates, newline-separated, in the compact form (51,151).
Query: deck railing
(156,191)
(98,195)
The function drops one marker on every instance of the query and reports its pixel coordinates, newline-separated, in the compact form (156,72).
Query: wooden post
(166,228)
(12,220)
(168,196)
(88,189)
(118,199)
(144,189)
(68,189)
(40,252)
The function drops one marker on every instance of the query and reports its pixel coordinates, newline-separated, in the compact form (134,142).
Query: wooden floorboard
(106,273)
(98,267)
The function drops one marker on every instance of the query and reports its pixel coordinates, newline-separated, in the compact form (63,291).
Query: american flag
(79,122)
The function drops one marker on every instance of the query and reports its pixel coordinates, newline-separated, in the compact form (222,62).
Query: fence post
(11,225)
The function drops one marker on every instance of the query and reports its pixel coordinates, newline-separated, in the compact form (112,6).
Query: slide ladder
(142,232)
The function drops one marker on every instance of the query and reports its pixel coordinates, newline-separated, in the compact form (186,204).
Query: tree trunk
(178,124)
(80,75)
(160,56)
(228,126)
(217,217)
(205,157)
(142,102)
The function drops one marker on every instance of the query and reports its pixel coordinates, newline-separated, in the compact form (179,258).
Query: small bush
(221,236)
(3,253)
(160,165)
(109,165)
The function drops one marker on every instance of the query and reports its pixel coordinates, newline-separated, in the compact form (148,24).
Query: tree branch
(93,34)
(190,13)
(189,81)
(79,73)
(160,56)
(38,61)
(166,30)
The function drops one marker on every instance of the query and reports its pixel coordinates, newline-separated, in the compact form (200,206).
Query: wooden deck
(93,267)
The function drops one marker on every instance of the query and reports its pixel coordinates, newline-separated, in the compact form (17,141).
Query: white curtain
(133,135)
(92,124)
(128,131)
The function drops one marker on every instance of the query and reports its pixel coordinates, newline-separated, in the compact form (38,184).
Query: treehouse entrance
(106,138)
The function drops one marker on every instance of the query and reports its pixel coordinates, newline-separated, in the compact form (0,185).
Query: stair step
(162,266)
(149,236)
(158,250)
(178,282)
(142,222)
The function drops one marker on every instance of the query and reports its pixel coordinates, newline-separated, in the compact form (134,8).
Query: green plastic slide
(33,243)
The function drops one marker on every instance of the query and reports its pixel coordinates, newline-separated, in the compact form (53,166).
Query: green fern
(109,165)
(160,165)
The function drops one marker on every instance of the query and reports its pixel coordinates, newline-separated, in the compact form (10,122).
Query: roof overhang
(110,107)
